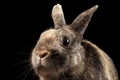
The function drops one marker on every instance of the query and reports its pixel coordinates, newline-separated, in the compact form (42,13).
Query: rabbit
(61,53)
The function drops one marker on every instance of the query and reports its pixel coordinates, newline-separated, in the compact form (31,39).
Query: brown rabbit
(62,54)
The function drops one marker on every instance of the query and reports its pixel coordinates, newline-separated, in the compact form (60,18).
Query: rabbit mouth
(52,63)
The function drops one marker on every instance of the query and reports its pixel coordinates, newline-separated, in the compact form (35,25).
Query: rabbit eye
(66,41)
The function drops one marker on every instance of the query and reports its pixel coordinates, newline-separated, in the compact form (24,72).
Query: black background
(22,22)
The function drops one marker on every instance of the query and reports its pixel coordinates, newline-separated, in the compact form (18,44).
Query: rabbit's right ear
(58,16)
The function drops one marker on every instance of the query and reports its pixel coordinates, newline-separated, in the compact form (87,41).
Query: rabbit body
(63,54)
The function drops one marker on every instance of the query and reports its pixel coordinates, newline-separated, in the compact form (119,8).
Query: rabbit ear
(58,16)
(80,24)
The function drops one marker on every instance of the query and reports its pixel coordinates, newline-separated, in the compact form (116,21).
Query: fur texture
(62,54)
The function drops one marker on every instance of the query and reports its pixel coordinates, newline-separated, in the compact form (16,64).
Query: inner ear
(81,22)
(58,16)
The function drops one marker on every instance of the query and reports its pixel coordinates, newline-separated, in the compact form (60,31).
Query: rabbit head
(59,50)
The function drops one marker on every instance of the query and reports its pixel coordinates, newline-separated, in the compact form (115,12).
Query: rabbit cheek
(56,61)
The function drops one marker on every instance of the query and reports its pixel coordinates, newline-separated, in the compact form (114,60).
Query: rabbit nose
(42,53)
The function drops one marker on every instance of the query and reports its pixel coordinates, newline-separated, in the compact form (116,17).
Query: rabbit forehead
(51,33)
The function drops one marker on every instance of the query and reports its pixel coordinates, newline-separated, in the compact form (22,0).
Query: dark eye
(66,41)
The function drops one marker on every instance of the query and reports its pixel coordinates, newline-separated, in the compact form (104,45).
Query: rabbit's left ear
(80,23)
(58,16)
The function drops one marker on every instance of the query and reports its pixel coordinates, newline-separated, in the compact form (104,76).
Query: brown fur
(62,54)
(101,59)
